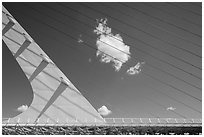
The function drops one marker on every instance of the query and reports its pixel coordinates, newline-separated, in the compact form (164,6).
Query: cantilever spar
(56,100)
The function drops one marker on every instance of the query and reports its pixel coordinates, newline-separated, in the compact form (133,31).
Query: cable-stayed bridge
(58,106)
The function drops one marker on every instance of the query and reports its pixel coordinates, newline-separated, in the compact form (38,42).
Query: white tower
(55,99)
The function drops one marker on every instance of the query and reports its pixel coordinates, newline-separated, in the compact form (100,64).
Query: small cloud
(111,48)
(80,39)
(135,69)
(90,60)
(104,111)
(22,108)
(170,108)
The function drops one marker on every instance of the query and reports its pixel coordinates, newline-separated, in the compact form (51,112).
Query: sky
(164,37)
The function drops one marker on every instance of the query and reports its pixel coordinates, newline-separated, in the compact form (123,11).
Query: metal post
(18,120)
(184,120)
(113,120)
(176,120)
(66,120)
(37,121)
(159,120)
(132,121)
(167,120)
(47,120)
(8,121)
(141,120)
(123,120)
(28,120)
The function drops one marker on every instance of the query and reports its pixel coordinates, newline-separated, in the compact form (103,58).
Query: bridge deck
(118,122)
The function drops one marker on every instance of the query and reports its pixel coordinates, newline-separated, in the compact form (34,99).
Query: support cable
(70,36)
(131,45)
(153,25)
(146,44)
(129,55)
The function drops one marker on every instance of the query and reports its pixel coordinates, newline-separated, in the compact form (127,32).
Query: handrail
(112,121)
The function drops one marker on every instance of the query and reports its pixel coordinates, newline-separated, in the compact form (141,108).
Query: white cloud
(89,60)
(22,108)
(135,69)
(80,39)
(170,108)
(104,111)
(109,45)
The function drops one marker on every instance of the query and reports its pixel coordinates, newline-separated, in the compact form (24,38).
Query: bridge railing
(118,122)
(152,121)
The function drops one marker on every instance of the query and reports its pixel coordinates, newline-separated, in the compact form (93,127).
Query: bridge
(54,95)
(113,126)
(115,122)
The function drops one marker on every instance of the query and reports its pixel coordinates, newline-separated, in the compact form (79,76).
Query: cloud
(89,60)
(170,108)
(104,111)
(80,39)
(135,69)
(109,45)
(22,108)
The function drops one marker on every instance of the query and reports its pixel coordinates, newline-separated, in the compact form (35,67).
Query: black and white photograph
(102,68)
